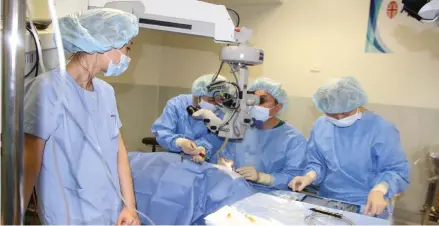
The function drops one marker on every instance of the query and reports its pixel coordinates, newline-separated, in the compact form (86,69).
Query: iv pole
(12,94)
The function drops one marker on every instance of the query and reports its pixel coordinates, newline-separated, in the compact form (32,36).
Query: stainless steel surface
(12,60)
(433,158)
(433,187)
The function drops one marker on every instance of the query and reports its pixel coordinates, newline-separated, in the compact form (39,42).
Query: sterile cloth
(172,192)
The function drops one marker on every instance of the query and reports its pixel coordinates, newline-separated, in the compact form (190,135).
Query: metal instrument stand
(433,187)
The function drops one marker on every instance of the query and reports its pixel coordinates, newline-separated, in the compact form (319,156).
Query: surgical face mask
(208,106)
(260,114)
(345,122)
(117,69)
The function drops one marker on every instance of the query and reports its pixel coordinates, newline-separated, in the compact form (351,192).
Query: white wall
(181,67)
(301,34)
(298,36)
(146,60)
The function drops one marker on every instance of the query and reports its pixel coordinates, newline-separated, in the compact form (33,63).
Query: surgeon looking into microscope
(272,152)
(73,151)
(177,131)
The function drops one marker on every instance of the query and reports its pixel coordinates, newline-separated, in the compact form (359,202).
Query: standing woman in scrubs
(73,151)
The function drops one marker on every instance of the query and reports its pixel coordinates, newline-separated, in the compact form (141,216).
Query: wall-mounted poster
(391,31)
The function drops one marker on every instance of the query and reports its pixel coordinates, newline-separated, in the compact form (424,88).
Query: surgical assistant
(353,154)
(272,152)
(73,151)
(177,131)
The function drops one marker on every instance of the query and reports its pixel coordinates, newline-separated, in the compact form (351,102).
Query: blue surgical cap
(272,87)
(97,30)
(340,95)
(199,87)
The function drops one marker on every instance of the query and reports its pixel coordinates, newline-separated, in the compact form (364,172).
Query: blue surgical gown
(172,192)
(81,130)
(279,151)
(175,122)
(350,161)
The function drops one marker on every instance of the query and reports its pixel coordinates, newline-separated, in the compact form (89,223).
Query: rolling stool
(150,141)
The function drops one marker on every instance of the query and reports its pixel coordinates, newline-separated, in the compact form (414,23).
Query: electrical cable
(315,219)
(38,44)
(238,21)
(212,86)
(235,98)
(218,153)
(238,18)
(236,128)
(35,67)
(224,99)
(228,120)
(61,184)
(236,108)
(218,72)
(233,70)
(62,66)
(238,90)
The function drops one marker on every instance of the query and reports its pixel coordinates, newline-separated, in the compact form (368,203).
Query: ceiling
(244,2)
